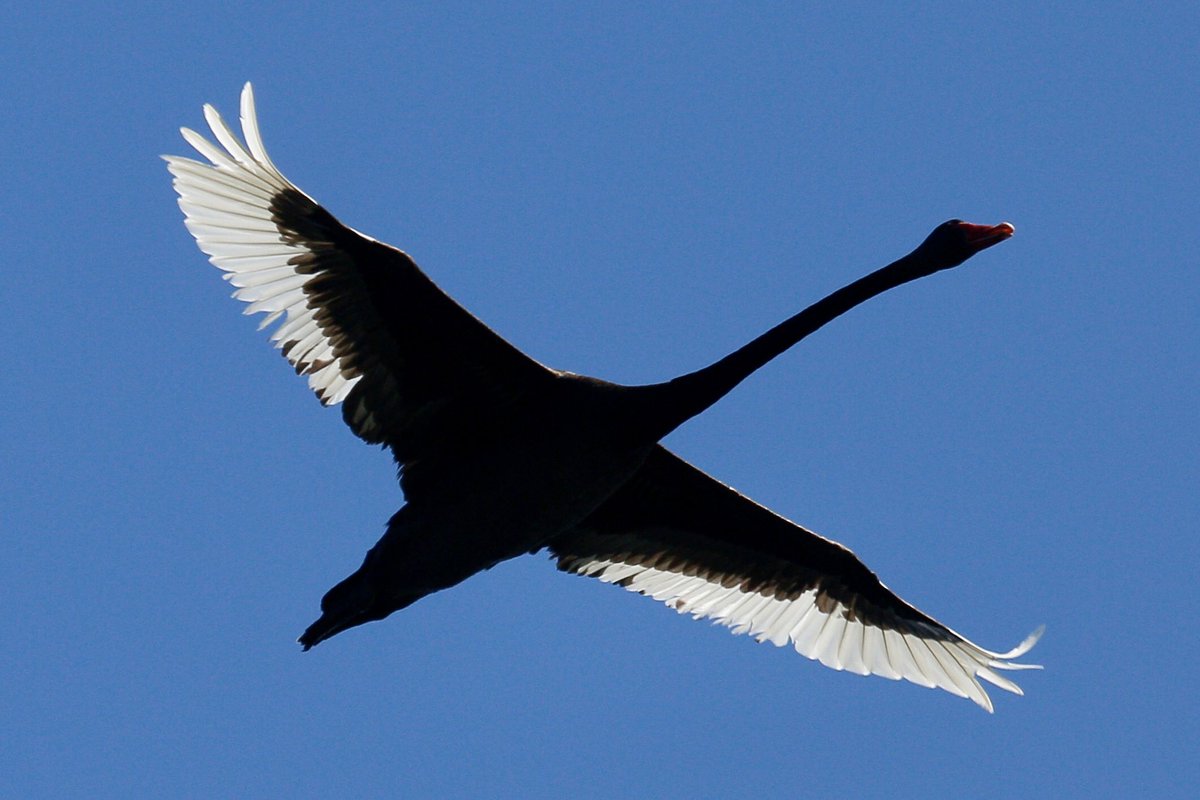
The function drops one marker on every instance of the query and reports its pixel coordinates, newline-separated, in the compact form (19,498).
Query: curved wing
(356,316)
(675,534)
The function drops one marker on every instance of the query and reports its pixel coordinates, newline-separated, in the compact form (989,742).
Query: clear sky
(628,193)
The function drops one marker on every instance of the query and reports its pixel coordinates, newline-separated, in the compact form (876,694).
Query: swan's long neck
(690,394)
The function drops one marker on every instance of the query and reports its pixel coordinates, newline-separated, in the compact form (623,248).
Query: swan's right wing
(410,367)
(675,534)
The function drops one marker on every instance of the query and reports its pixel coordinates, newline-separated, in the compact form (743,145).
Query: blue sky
(630,193)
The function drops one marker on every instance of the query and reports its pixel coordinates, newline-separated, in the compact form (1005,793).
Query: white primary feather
(227,205)
(836,636)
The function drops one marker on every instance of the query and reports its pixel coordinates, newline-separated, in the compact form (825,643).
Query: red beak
(981,237)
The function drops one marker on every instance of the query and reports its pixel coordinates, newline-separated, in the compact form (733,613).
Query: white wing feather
(824,630)
(227,205)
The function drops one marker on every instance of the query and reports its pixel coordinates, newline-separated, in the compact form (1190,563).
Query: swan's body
(501,456)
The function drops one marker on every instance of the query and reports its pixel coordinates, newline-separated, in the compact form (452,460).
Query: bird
(499,456)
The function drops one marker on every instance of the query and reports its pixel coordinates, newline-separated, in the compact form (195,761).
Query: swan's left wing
(411,368)
(675,534)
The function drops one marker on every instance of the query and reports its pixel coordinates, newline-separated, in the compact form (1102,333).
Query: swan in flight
(500,456)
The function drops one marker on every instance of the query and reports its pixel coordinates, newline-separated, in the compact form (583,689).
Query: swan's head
(953,242)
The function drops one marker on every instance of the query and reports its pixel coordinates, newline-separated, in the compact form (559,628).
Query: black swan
(500,456)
